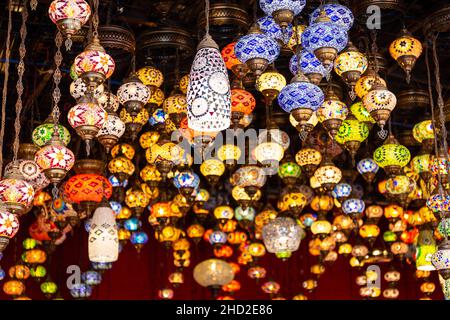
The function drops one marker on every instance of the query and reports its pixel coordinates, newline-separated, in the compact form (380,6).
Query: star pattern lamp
(87,118)
(406,50)
(54,159)
(69,16)
(94,65)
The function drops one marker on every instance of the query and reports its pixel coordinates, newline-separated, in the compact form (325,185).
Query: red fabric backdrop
(139,276)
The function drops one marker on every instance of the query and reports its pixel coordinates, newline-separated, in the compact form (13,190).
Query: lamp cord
(5,84)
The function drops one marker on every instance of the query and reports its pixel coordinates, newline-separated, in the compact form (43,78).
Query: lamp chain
(440,100)
(5,84)
(19,85)
(33,4)
(95,20)
(375,50)
(57,79)
(440,104)
(440,188)
(206,16)
(430,93)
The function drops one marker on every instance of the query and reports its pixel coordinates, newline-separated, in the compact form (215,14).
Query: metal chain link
(57,79)
(5,84)
(33,4)
(207,16)
(440,100)
(19,85)
(95,20)
(373,33)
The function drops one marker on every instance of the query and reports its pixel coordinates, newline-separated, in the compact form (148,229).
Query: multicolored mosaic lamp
(69,16)
(43,133)
(350,65)
(94,65)
(380,102)
(55,159)
(406,50)
(332,112)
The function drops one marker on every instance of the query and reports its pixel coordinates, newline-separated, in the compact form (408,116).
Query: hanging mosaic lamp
(175,106)
(133,94)
(242,103)
(352,132)
(69,16)
(268,25)
(16,195)
(361,114)
(338,14)
(9,225)
(208,96)
(380,102)
(423,133)
(301,98)
(112,130)
(392,156)
(350,65)
(282,236)
(441,259)
(325,39)
(406,50)
(283,11)
(256,50)
(94,65)
(332,112)
(310,66)
(55,159)
(232,63)
(43,133)
(30,172)
(328,175)
(368,168)
(87,118)
(309,159)
(103,238)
